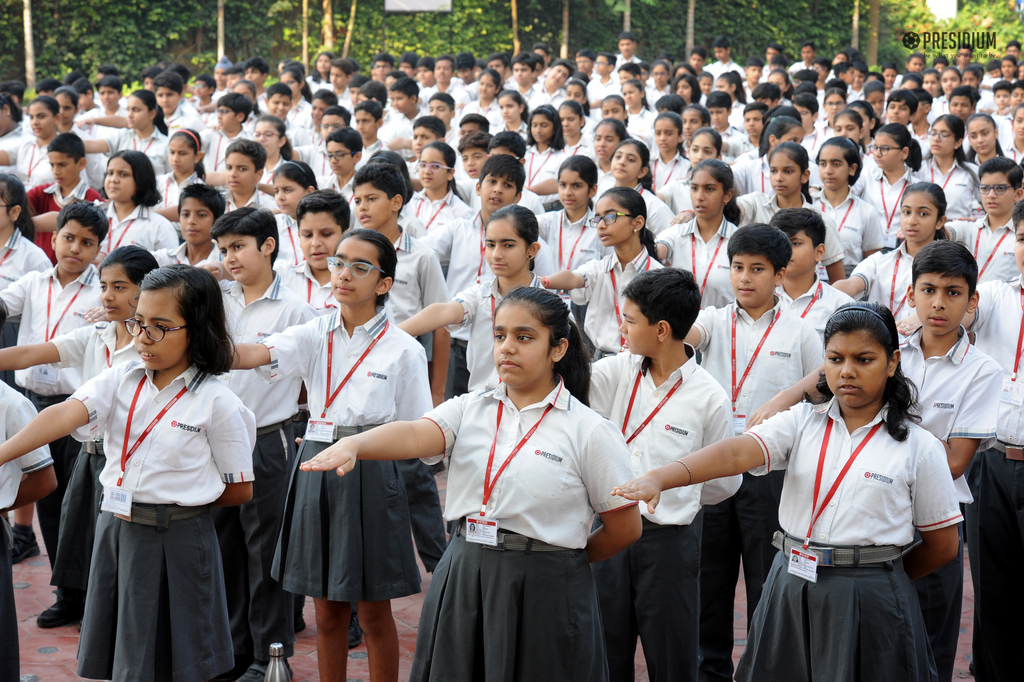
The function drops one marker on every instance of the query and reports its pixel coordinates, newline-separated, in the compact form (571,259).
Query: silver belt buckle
(501,542)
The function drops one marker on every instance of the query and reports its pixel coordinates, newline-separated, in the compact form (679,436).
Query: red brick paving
(50,655)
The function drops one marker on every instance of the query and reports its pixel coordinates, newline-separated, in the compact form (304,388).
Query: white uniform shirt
(185,116)
(960,185)
(179,255)
(215,144)
(752,175)
(554,485)
(886,199)
(886,277)
(437,213)
(492,112)
(15,413)
(170,191)
(288,249)
(257,198)
(659,215)
(527,200)
(676,196)
(997,325)
(992,248)
(275,311)
(891,489)
(142,227)
(605,280)
(541,166)
(717,68)
(154,147)
(598,90)
(682,426)
(300,280)
(957,394)
(790,352)
(391,383)
(419,281)
(203,442)
(18,257)
(572,243)
(708,261)
(760,208)
(31,162)
(857,223)
(92,349)
(30,297)
(815,305)
(667,173)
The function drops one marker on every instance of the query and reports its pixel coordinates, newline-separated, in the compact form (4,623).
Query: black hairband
(866,309)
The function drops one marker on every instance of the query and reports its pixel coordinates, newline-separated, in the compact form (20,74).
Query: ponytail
(722,174)
(905,140)
(551,311)
(149,99)
(13,194)
(191,138)
(632,203)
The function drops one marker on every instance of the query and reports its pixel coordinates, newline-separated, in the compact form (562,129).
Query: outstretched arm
(565,280)
(251,356)
(397,440)
(23,357)
(433,317)
(52,423)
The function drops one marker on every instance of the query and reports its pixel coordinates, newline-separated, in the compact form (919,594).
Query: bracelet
(687,471)
(544,282)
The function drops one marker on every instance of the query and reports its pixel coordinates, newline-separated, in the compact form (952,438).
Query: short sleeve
(705,326)
(233,438)
(163,232)
(671,238)
(440,240)
(834,251)
(811,351)
(979,409)
(777,436)
(988,306)
(15,295)
(871,232)
(412,397)
(20,412)
(432,285)
(933,496)
(604,464)
(448,417)
(470,299)
(292,352)
(71,346)
(98,395)
(867,270)
(590,272)
(604,380)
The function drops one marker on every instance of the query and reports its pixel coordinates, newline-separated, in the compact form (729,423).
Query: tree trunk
(873,19)
(691,11)
(626,16)
(564,53)
(351,28)
(305,33)
(328,25)
(515,27)
(30,50)
(220,28)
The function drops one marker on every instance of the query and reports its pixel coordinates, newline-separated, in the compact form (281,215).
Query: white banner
(417,6)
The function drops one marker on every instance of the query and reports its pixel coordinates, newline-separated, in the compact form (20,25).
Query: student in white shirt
(608,134)
(185,158)
(991,238)
(29,157)
(723,58)
(293,181)
(147,131)
(489,85)
(640,115)
(568,232)
(576,129)
(949,168)
(131,188)
(233,112)
(605,82)
(670,165)
(322,217)
(840,167)
(514,112)
(983,138)
(168,88)
(381,376)
(621,222)
(544,152)
(652,587)
(897,160)
(543,522)
(156,533)
(753,175)
(899,483)
(705,143)
(631,168)
(437,203)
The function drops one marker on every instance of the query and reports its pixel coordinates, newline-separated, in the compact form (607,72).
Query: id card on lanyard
(739,421)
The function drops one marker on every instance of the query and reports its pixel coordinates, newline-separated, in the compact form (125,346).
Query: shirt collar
(641,263)
(77,193)
(138,212)
(191,377)
(833,411)
(724,229)
(273,292)
(985,224)
(684,372)
(780,290)
(88,276)
(559,397)
(956,354)
(14,240)
(582,221)
(405,242)
(745,316)
(373,326)
(534,282)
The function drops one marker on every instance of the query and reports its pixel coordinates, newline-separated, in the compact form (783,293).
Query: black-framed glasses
(359,269)
(154,331)
(881,149)
(1000,190)
(608,218)
(338,156)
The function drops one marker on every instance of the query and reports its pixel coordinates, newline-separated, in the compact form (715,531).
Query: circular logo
(771,353)
(667,427)
(174,425)
(536,452)
(911,40)
(867,474)
(369,374)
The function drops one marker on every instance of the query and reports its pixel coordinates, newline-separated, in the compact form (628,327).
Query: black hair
(518,99)
(905,140)
(278,88)
(171,81)
(692,82)
(524,223)
(723,175)
(798,154)
(69,145)
(237,103)
(146,192)
(718,100)
(474,140)
(68,92)
(557,140)
(635,83)
(672,103)
(766,90)
(851,155)
(972,155)
(794,220)
(149,100)
(48,85)
(935,194)
(86,215)
(583,166)
(1000,164)
(908,97)
(248,221)
(807,101)
(327,97)
(505,167)
(7,100)
(450,159)
(509,140)
(384,57)
(253,150)
(297,172)
(406,86)
(948,259)
(325,201)
(736,81)
(444,98)
(957,127)
(778,127)
(251,87)
(258,64)
(390,158)
(387,258)
(384,177)
(669,294)
(340,112)
(551,312)
(201,305)
(633,204)
(762,240)
(191,138)
(136,261)
(207,80)
(282,130)
(617,99)
(480,121)
(644,153)
(373,90)
(372,107)
(82,86)
(431,123)
(48,102)
(296,72)
(900,395)
(13,194)
(346,137)
(206,195)
(716,137)
(618,126)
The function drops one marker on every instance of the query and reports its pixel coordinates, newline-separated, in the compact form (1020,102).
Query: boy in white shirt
(604,83)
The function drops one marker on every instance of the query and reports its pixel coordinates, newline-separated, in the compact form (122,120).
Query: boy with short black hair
(405,107)
(257,305)
(749,347)
(233,110)
(340,76)
(323,216)
(512,144)
(473,153)
(368,118)
(442,107)
(257,70)
(719,106)
(652,587)
(178,113)
(243,166)
(199,207)
(802,292)
(901,107)
(990,239)
(344,152)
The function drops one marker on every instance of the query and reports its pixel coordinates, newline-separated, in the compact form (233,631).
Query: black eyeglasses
(154,331)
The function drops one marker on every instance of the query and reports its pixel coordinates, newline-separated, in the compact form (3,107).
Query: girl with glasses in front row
(437,203)
(949,169)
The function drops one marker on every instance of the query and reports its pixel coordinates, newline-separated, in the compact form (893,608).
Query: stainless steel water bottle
(278,669)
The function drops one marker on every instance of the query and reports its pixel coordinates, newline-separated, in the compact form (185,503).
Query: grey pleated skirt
(853,625)
(155,607)
(510,617)
(346,538)
(78,514)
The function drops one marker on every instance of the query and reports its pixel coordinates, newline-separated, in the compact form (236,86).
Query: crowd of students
(657,320)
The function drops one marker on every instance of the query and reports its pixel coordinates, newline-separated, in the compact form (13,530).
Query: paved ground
(49,655)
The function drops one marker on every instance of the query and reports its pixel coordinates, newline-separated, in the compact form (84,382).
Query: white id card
(45,374)
(889,240)
(1013,393)
(320,430)
(739,424)
(482,531)
(822,272)
(117,501)
(803,564)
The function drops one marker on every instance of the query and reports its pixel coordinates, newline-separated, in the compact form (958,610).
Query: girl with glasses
(897,156)
(437,203)
(949,168)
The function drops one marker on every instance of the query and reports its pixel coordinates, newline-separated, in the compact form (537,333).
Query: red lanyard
(848,209)
(6,256)
(125,452)
(561,224)
(533,175)
(892,293)
(1020,338)
(675,161)
(488,482)
(977,241)
(135,144)
(107,351)
(737,387)
(483,249)
(167,190)
(814,299)
(931,168)
(110,233)
(615,299)
(711,263)
(309,296)
(32,167)
(885,209)
(839,479)
(49,295)
(431,221)
(629,408)
(295,252)
(330,360)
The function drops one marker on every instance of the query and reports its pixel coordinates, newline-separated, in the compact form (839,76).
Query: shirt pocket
(876,493)
(543,473)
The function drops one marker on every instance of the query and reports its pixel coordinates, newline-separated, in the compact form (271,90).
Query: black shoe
(241,666)
(25,545)
(61,613)
(300,623)
(355,633)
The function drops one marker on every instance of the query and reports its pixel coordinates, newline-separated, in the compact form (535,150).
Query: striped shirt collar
(559,397)
(641,263)
(724,230)
(14,240)
(88,276)
(78,193)
(139,213)
(956,354)
(192,377)
(405,242)
(373,327)
(273,292)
